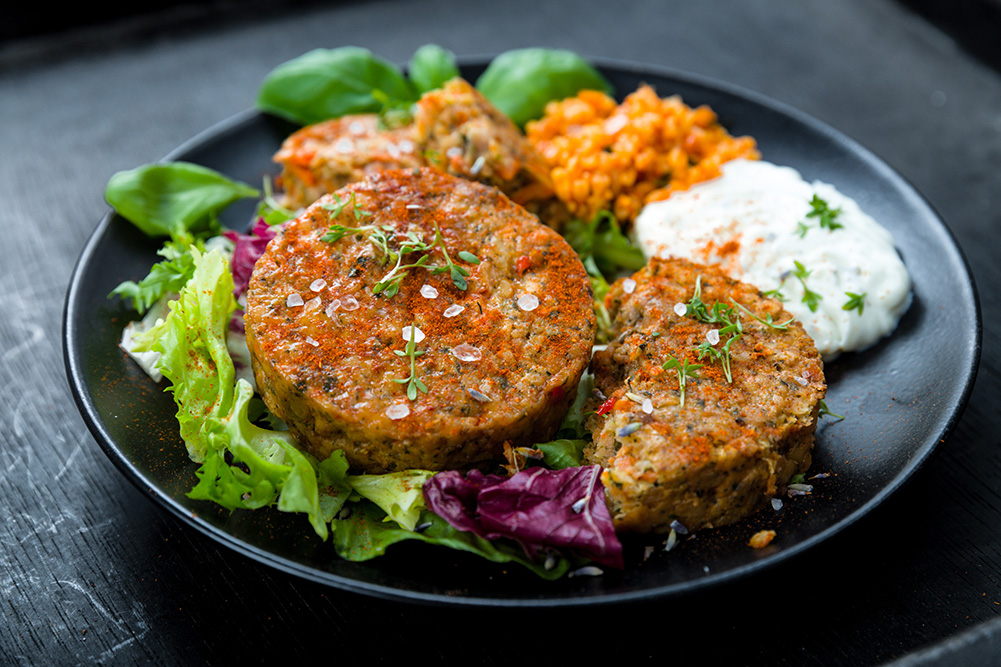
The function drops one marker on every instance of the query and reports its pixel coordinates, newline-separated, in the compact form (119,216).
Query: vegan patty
(454,129)
(500,360)
(714,451)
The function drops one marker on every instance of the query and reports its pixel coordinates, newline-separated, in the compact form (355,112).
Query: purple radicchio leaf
(540,508)
(248,249)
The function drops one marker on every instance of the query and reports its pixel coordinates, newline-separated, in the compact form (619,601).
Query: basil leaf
(327,83)
(431,66)
(164,199)
(521,82)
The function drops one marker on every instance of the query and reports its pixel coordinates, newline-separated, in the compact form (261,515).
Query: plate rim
(81,393)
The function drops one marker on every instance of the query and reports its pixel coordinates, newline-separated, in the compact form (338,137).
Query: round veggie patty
(418,320)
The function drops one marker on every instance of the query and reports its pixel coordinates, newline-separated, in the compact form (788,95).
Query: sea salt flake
(477,166)
(712,336)
(318,284)
(294,300)
(680,309)
(802,380)
(344,145)
(453,310)
(406,146)
(528,302)
(312,341)
(393,150)
(466,352)
(417,333)
(628,285)
(397,411)
(349,303)
(776,504)
(356,128)
(479,395)
(647,406)
(414,207)
(429,292)
(454,151)
(332,307)
(312,304)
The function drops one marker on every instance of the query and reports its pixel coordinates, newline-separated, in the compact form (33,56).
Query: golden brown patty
(455,129)
(500,361)
(732,445)
(327,156)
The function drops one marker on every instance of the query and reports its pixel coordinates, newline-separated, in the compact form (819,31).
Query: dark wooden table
(91,571)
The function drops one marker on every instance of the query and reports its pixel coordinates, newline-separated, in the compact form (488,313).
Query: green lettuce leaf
(243,465)
(399,494)
(364,535)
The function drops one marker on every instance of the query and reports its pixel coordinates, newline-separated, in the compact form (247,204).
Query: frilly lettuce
(266,468)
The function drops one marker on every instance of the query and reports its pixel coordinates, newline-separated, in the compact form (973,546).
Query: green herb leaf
(810,298)
(328,83)
(827,216)
(431,66)
(166,277)
(685,372)
(173,198)
(467,256)
(855,302)
(521,82)
(825,412)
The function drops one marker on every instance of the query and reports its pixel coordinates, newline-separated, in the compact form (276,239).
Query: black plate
(900,398)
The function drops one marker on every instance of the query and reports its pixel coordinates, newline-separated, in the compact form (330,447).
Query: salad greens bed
(550,518)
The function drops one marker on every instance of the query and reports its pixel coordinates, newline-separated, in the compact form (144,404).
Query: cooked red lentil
(620,156)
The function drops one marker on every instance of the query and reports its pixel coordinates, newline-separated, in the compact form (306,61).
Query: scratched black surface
(91,571)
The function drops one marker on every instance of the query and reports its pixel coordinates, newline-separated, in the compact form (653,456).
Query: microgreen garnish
(685,371)
(827,215)
(855,302)
(338,207)
(825,412)
(802,228)
(413,382)
(810,298)
(767,319)
(457,273)
(775,294)
(718,314)
(383,237)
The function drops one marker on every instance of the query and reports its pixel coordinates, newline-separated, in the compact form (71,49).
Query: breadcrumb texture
(455,129)
(327,367)
(732,445)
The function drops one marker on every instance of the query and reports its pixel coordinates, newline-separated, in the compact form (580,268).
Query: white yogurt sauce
(749,221)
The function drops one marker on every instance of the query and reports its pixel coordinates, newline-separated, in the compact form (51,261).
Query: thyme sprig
(413,382)
(685,372)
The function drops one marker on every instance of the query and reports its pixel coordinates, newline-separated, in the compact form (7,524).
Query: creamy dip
(753,221)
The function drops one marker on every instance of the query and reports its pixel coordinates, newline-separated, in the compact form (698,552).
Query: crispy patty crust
(732,444)
(454,129)
(500,360)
